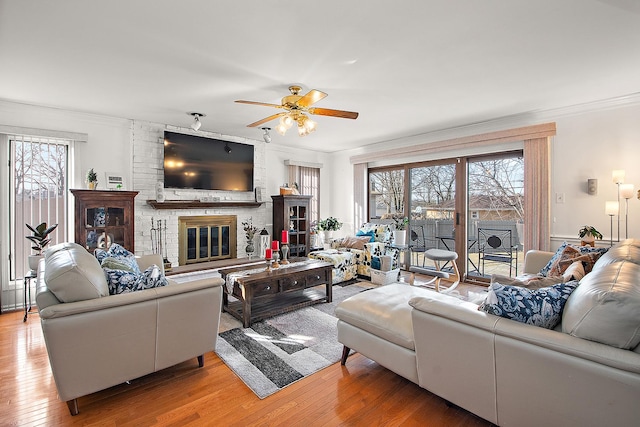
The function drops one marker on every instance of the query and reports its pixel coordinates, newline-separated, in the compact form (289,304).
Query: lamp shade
(611,207)
(618,176)
(627,190)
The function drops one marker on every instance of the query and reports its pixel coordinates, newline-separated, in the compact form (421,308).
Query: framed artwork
(114,181)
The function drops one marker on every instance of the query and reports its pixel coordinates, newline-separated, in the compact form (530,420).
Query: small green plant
(40,237)
(589,230)
(401,222)
(329,224)
(92,176)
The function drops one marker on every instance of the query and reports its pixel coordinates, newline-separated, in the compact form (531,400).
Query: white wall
(591,141)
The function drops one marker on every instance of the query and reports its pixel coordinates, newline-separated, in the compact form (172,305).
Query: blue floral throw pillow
(122,281)
(539,307)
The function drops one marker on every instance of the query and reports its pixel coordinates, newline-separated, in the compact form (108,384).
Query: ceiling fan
(297,107)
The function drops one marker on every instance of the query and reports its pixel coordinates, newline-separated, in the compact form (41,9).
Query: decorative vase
(92,185)
(250,248)
(587,240)
(400,237)
(328,235)
(33,262)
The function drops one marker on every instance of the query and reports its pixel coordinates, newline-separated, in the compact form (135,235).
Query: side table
(27,286)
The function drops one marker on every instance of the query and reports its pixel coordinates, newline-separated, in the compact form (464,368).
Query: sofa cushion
(627,250)
(606,306)
(73,274)
(116,264)
(539,307)
(535,282)
(381,232)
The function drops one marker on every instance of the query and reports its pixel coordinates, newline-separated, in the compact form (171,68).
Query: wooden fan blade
(311,98)
(333,113)
(265,120)
(258,103)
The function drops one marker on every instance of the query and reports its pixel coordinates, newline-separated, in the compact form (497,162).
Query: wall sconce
(626,191)
(592,186)
(196,120)
(611,208)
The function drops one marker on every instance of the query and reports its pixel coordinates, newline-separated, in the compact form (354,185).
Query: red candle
(275,245)
(267,253)
(285,237)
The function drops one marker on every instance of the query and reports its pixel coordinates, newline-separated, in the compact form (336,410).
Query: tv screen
(206,163)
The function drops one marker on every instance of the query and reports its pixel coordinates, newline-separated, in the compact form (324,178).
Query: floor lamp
(611,209)
(626,191)
(618,178)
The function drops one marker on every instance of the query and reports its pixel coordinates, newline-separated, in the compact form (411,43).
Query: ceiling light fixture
(266,136)
(196,120)
(305,124)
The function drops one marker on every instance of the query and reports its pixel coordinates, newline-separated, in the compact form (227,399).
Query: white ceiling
(407,66)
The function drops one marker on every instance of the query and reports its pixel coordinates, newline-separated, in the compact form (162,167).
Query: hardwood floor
(360,394)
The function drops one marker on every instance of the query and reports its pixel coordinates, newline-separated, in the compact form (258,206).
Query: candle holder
(285,253)
(276,256)
(269,261)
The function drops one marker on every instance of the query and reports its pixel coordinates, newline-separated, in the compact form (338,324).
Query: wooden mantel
(196,204)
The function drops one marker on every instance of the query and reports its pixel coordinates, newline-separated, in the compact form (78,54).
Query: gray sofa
(585,372)
(95,340)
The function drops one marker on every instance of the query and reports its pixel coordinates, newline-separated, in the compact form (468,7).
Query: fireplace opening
(206,238)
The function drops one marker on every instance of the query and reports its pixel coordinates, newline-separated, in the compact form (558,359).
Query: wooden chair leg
(345,354)
(201,360)
(73,406)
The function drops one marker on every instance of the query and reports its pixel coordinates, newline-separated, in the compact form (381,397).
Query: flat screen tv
(206,163)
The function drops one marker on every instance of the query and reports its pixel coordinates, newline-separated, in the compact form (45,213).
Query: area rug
(279,351)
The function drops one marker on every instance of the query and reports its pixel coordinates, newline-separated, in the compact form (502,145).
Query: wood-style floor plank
(362,393)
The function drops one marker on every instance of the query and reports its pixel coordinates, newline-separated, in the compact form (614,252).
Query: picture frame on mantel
(114,181)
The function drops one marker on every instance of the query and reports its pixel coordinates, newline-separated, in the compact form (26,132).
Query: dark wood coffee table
(264,293)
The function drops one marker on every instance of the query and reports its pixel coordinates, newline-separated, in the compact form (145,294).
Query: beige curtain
(310,185)
(537,181)
(360,194)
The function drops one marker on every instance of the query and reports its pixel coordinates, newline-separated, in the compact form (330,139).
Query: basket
(285,191)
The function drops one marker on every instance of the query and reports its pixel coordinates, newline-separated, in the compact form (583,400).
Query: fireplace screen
(206,238)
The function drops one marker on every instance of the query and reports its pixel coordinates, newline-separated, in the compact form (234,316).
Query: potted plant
(92,179)
(588,234)
(400,233)
(329,225)
(40,239)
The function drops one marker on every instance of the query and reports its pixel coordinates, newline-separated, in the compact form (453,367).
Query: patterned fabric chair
(382,234)
(344,267)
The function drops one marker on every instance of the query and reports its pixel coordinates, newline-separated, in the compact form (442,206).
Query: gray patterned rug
(279,351)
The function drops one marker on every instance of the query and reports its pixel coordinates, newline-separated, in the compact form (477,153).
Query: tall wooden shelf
(103,218)
(292,213)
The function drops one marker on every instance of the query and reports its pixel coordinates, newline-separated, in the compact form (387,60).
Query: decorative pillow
(541,307)
(355,242)
(371,234)
(574,272)
(592,256)
(121,281)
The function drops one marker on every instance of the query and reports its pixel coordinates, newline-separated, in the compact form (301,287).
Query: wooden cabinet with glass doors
(292,213)
(103,218)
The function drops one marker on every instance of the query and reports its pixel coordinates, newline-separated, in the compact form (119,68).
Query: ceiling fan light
(309,125)
(281,129)
(287,121)
(302,131)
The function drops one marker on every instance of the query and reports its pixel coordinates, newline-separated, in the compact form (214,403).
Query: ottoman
(377,324)
(344,267)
